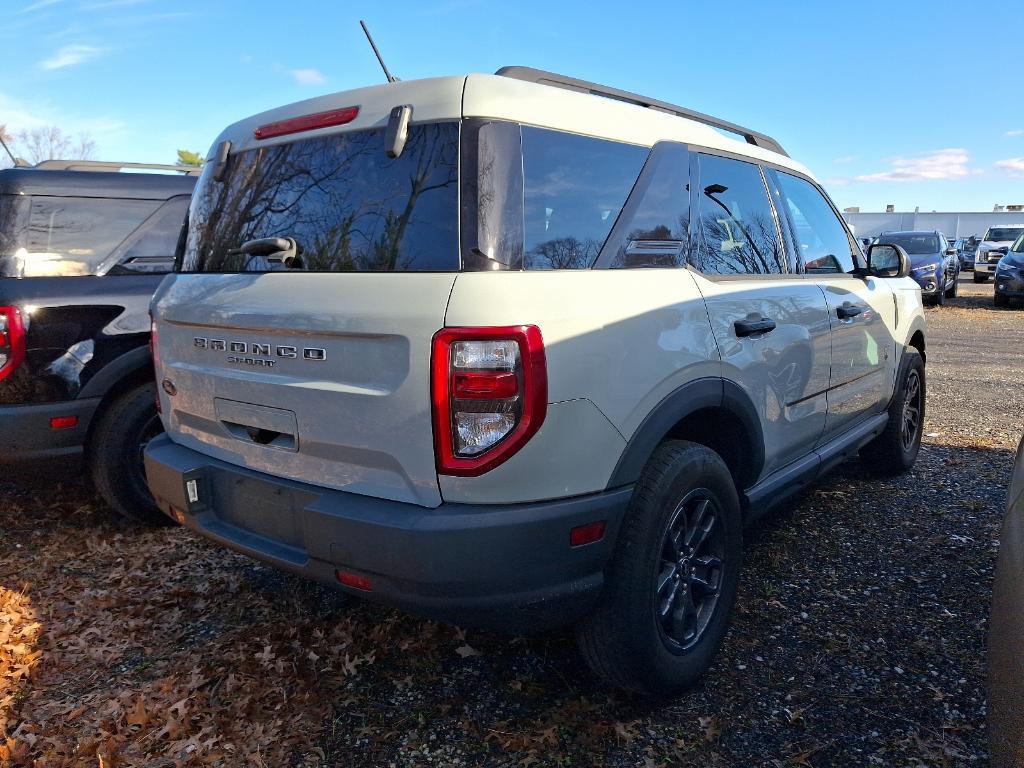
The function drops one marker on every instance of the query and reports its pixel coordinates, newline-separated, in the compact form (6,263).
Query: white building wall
(953,225)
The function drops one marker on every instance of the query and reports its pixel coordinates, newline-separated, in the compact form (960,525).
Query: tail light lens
(12,340)
(490,392)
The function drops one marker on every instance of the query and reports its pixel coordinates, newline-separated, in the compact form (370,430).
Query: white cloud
(845,159)
(940,164)
(70,56)
(1015,132)
(39,4)
(836,182)
(1015,165)
(20,116)
(308,76)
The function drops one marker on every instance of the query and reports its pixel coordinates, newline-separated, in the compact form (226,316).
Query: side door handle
(754,325)
(847,310)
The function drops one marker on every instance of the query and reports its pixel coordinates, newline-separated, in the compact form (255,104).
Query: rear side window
(736,233)
(815,230)
(150,248)
(347,206)
(69,236)
(574,188)
(13,221)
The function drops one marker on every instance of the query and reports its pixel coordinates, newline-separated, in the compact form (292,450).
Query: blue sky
(911,103)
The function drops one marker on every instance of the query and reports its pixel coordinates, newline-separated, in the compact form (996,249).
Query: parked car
(503,399)
(1006,632)
(82,248)
(934,264)
(994,244)
(965,247)
(1010,275)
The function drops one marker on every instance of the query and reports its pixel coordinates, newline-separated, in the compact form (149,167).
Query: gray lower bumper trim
(503,566)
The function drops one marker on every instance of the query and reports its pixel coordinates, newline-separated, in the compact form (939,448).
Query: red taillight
(12,340)
(307,123)
(154,353)
(484,385)
(354,580)
(489,392)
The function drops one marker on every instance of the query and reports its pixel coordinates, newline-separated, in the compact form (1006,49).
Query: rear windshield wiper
(271,251)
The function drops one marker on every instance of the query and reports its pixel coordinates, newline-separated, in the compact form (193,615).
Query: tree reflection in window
(348,206)
(737,233)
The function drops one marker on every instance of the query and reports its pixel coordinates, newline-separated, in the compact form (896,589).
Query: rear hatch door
(297,330)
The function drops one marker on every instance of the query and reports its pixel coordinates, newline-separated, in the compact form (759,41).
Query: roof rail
(103,165)
(572,84)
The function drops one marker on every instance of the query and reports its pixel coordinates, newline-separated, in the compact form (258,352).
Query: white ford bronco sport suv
(521,351)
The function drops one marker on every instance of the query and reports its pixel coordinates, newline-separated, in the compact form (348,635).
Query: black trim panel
(688,399)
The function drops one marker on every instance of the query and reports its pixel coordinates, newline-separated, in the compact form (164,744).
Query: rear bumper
(28,437)
(507,567)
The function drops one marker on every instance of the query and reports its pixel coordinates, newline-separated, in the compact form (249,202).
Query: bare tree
(51,143)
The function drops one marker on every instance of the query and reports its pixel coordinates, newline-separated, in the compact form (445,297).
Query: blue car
(934,263)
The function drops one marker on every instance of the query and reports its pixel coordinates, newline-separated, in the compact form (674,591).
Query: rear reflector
(307,123)
(354,580)
(63,422)
(586,534)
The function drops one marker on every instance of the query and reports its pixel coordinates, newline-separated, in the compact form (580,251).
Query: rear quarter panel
(617,342)
(75,326)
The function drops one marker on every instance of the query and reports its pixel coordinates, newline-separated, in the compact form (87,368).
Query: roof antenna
(391,78)
(11,154)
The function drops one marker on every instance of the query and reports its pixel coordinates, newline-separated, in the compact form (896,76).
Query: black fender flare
(693,396)
(117,370)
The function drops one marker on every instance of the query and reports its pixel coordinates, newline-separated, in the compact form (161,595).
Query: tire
(894,451)
(940,296)
(951,291)
(625,641)
(980,278)
(1000,301)
(115,455)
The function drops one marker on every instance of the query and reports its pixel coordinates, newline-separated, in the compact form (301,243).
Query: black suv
(83,245)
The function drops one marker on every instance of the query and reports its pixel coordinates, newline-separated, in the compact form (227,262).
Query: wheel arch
(714,412)
(126,372)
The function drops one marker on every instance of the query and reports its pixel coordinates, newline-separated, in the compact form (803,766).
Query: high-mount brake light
(307,123)
(489,389)
(12,340)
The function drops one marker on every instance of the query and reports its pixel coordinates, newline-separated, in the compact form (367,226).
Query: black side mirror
(888,260)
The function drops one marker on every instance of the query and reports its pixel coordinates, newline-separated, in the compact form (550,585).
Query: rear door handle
(847,310)
(754,325)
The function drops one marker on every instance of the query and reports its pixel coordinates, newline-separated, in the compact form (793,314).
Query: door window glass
(150,249)
(652,230)
(736,226)
(816,232)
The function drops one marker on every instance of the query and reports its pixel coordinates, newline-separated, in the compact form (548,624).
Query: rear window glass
(68,236)
(344,203)
(574,188)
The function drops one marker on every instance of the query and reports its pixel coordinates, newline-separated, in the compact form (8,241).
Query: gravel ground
(858,638)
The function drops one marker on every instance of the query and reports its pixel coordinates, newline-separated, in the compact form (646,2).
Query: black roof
(141,186)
